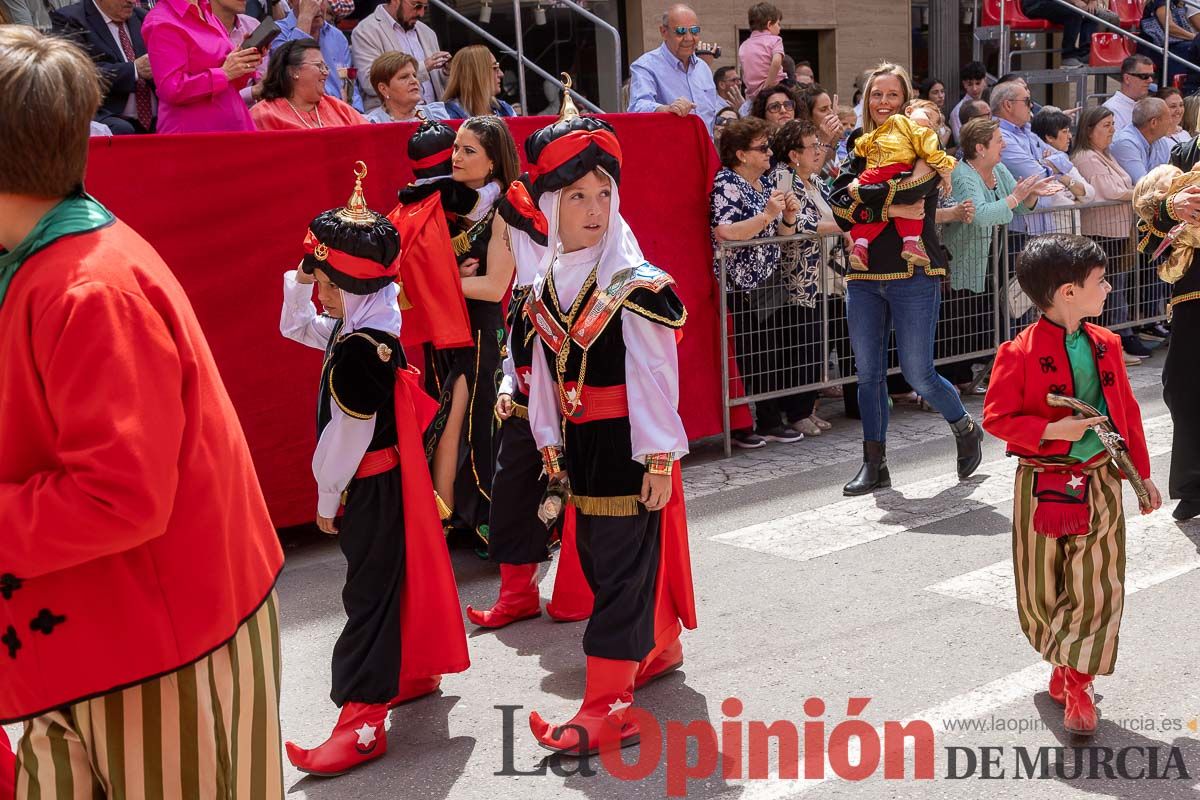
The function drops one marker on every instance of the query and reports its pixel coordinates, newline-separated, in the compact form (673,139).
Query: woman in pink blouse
(1110,226)
(197,72)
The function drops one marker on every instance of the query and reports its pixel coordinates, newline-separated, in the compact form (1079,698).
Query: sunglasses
(680,30)
(1145,76)
(781,105)
(762,148)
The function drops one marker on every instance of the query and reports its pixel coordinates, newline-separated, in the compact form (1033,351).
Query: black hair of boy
(1054,260)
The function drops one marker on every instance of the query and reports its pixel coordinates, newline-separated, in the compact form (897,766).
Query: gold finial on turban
(568,110)
(356,211)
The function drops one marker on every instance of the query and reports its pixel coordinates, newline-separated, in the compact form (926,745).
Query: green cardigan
(969,243)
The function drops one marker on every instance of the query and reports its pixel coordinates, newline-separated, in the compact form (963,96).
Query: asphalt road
(903,599)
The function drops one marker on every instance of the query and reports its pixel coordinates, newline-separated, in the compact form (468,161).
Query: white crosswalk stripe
(1156,550)
(858,520)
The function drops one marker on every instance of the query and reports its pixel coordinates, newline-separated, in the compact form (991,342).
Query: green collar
(77,213)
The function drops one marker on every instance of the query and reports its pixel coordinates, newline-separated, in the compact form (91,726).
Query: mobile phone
(262,36)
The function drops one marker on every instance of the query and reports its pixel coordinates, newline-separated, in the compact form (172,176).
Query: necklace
(306,123)
(991,185)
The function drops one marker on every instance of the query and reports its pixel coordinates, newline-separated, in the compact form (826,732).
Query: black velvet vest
(361,381)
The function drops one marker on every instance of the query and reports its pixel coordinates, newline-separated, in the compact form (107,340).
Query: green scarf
(77,213)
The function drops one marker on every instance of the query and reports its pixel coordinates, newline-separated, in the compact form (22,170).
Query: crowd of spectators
(783,140)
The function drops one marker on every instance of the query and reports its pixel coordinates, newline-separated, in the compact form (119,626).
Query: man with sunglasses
(397,25)
(1137,73)
(671,78)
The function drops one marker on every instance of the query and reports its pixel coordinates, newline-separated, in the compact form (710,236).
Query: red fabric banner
(228,213)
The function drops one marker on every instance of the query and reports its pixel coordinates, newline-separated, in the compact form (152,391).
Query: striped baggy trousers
(1071,590)
(208,730)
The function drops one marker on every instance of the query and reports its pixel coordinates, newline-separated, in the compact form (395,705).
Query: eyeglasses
(1145,76)
(762,148)
(813,146)
(420,6)
(781,105)
(321,66)
(1026,100)
(719,121)
(680,30)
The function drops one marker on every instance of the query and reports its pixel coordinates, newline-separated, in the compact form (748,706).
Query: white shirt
(411,43)
(1121,105)
(114,28)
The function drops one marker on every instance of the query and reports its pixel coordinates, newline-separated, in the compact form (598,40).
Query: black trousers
(1181,384)
(801,335)
(763,348)
(366,657)
(967,325)
(1077,31)
(517,536)
(619,556)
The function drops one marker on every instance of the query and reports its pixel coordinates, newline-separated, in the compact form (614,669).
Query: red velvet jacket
(134,538)
(1035,364)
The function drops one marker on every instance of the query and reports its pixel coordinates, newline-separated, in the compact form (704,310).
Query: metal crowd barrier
(789,335)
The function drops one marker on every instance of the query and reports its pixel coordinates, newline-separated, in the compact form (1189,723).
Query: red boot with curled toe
(657,665)
(519,598)
(601,720)
(357,738)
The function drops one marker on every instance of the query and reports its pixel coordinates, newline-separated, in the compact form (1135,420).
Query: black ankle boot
(1186,510)
(969,438)
(873,474)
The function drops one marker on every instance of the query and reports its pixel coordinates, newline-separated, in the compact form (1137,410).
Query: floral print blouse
(734,199)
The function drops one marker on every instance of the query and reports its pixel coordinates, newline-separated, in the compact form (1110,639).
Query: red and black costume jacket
(1035,364)
(584,346)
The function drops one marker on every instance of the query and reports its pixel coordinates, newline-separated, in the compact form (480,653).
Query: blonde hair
(471,80)
(883,70)
(49,92)
(1191,115)
(930,108)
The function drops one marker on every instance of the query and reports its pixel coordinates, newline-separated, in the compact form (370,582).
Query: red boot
(914,253)
(414,688)
(1080,716)
(519,598)
(1058,685)
(656,665)
(858,257)
(357,738)
(609,692)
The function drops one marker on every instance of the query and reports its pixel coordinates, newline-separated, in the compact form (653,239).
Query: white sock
(911,238)
(862,242)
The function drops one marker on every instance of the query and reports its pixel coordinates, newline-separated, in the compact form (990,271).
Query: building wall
(861,33)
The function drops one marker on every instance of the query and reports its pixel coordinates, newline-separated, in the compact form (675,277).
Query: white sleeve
(299,320)
(508,384)
(652,384)
(545,418)
(339,452)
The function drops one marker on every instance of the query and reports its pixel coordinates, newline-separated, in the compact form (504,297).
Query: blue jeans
(911,305)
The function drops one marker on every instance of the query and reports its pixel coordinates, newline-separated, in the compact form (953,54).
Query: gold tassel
(461,244)
(402,298)
(627,505)
(444,511)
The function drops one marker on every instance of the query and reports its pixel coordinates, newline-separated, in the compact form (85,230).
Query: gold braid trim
(1169,203)
(893,276)
(650,315)
(627,505)
(845,213)
(1186,297)
(342,405)
(520,411)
